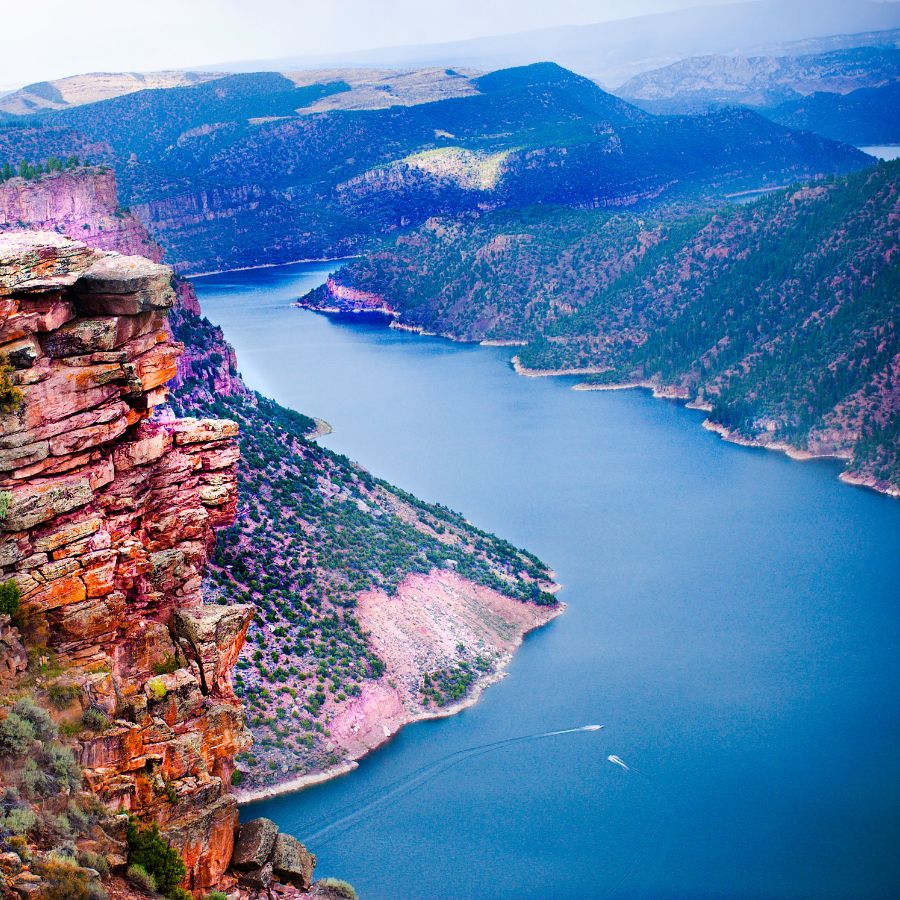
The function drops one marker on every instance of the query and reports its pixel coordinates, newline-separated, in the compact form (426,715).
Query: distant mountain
(863,117)
(78,89)
(781,317)
(702,82)
(363,88)
(612,52)
(229,173)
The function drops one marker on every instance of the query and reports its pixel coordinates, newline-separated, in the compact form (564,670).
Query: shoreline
(292,262)
(521,369)
(424,714)
(658,392)
(794,453)
(788,450)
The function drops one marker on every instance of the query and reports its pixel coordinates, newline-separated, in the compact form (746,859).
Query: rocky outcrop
(109,517)
(81,203)
(13,657)
(262,855)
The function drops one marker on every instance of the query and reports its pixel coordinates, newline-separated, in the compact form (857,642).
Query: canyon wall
(106,521)
(81,203)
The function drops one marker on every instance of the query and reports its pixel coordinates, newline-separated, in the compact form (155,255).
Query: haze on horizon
(149,35)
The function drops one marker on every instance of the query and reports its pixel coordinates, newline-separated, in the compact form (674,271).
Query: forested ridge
(781,315)
(237,171)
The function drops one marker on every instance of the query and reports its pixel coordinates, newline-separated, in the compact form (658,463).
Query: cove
(732,620)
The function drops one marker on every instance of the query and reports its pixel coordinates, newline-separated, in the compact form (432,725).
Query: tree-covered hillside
(781,315)
(313,532)
(238,171)
(863,117)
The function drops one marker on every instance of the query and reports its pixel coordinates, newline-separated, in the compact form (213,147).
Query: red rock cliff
(81,203)
(109,516)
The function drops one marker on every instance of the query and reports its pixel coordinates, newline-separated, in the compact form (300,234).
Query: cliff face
(81,204)
(109,517)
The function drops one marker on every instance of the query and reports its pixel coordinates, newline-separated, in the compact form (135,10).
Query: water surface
(733,621)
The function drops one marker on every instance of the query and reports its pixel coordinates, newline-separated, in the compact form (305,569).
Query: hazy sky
(48,39)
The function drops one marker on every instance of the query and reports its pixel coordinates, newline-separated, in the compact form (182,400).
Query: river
(733,621)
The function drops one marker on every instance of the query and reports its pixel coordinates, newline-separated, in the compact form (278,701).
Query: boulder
(124,285)
(254,843)
(260,877)
(292,862)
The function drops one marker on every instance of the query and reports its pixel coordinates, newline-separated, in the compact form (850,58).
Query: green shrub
(16,735)
(157,688)
(95,861)
(61,695)
(35,782)
(59,763)
(44,728)
(148,849)
(64,879)
(19,821)
(141,878)
(57,827)
(216,895)
(10,594)
(237,776)
(338,888)
(166,665)
(95,719)
(170,792)
(10,396)
(78,818)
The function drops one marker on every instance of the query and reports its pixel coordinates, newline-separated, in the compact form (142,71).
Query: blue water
(733,620)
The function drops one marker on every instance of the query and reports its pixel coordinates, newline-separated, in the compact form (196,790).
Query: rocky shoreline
(659,392)
(521,369)
(322,429)
(418,630)
(665,392)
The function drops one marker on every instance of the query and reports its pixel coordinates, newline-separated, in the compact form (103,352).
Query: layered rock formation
(81,203)
(109,516)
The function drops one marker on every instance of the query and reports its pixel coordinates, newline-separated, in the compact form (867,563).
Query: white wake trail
(571,730)
(618,761)
(351,814)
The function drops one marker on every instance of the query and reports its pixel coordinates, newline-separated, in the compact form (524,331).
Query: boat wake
(326,828)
